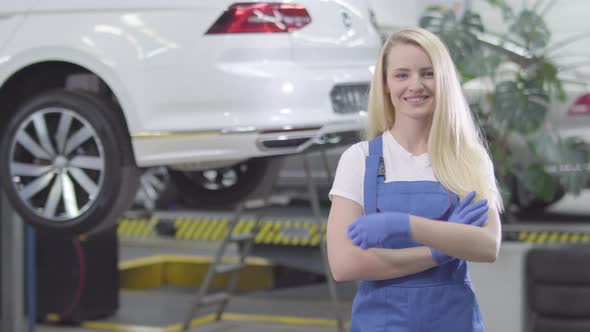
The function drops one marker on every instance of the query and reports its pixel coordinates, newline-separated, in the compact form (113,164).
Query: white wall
(499,288)
(394,14)
(566,19)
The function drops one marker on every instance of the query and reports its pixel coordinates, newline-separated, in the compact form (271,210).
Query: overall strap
(374,167)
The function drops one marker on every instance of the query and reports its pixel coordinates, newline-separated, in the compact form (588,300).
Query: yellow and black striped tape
(292,232)
(272,232)
(545,237)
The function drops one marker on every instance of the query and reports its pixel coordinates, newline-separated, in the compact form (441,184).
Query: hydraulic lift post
(12,317)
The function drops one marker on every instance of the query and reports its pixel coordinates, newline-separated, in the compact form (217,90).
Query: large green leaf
(545,147)
(460,36)
(538,181)
(547,73)
(530,29)
(520,105)
(517,105)
(503,6)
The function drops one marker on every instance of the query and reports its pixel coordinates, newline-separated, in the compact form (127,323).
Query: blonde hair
(459,157)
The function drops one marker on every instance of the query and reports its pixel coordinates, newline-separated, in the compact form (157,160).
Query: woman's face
(410,81)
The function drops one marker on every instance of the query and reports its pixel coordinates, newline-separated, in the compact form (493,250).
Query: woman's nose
(416,85)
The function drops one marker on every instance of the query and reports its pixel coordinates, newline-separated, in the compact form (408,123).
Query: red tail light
(261,17)
(581,107)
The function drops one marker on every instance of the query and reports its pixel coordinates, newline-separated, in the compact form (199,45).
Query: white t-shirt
(400,165)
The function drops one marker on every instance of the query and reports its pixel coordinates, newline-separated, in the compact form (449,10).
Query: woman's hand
(470,214)
(380,230)
(392,229)
(465,213)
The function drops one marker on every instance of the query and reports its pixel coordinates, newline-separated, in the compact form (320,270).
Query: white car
(92,90)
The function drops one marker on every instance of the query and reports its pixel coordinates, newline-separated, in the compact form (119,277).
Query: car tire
(66,162)
(223,187)
(557,288)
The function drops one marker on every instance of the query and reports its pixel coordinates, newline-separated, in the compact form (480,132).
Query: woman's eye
(429,74)
(401,75)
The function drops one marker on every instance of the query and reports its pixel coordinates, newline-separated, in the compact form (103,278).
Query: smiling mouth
(416,100)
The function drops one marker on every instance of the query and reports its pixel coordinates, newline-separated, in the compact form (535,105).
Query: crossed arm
(349,262)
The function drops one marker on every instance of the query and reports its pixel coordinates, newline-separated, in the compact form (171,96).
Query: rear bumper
(202,150)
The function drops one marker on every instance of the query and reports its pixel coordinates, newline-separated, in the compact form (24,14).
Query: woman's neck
(412,134)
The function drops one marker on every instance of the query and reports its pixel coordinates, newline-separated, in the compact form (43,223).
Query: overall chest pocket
(431,204)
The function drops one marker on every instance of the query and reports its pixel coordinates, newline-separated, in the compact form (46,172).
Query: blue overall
(440,299)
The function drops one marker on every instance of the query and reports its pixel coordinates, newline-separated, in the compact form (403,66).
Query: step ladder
(245,242)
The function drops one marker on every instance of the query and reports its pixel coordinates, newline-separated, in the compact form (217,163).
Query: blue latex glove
(380,230)
(465,213)
(470,214)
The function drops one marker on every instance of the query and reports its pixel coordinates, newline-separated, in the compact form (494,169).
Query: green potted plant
(513,83)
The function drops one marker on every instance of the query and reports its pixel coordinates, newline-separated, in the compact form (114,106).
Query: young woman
(415,203)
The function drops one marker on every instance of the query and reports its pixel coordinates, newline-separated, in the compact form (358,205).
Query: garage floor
(225,326)
(307,309)
(299,309)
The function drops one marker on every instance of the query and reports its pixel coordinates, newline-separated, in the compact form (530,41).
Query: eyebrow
(406,69)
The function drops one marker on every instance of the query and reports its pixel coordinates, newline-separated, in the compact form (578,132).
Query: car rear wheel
(223,187)
(66,162)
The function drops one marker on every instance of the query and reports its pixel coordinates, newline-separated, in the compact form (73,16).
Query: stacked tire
(558,289)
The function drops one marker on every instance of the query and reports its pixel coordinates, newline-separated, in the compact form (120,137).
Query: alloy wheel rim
(57,164)
(222,178)
(152,183)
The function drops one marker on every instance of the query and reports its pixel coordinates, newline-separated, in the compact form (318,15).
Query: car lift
(12,315)
(11,279)
(245,241)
